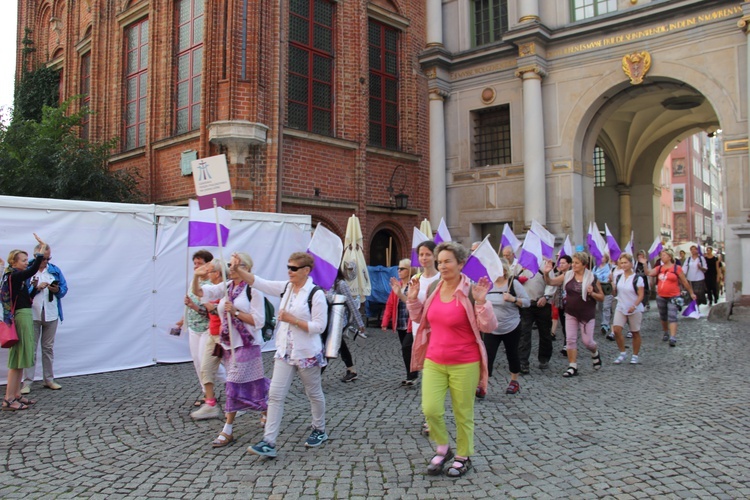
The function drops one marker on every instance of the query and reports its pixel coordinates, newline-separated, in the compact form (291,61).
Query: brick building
(319,105)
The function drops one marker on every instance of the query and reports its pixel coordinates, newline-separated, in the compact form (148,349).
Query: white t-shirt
(424,284)
(42,300)
(626,296)
(690,268)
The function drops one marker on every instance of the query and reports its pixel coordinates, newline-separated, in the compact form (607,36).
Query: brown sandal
(8,405)
(26,401)
(220,443)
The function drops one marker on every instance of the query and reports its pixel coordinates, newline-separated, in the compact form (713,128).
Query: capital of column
(623,189)
(532,71)
(744,21)
(523,19)
(438,95)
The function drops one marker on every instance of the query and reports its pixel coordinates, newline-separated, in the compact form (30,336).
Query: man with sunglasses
(48,287)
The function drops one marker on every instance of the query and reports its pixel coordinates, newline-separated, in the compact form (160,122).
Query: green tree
(47,159)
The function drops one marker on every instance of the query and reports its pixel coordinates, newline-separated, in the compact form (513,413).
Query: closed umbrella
(426,228)
(353,253)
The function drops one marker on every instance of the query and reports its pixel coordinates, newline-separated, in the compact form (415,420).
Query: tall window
(136,76)
(85,91)
(490,20)
(189,64)
(492,136)
(310,85)
(600,167)
(585,9)
(383,56)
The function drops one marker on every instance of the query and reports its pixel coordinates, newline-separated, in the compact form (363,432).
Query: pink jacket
(482,319)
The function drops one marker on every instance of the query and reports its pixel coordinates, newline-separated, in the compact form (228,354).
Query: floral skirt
(246,386)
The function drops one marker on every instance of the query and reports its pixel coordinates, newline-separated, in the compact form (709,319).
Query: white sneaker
(206,412)
(619,359)
(629,335)
(26,389)
(633,359)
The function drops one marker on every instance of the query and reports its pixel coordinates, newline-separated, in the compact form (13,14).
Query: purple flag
(656,248)
(509,239)
(546,239)
(531,252)
(614,248)
(442,233)
(691,311)
(417,238)
(567,247)
(483,262)
(597,246)
(202,226)
(327,249)
(589,239)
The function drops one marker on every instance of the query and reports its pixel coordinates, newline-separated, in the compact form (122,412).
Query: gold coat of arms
(636,65)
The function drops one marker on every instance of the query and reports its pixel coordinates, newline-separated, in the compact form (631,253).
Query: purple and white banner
(202,226)
(417,238)
(567,247)
(546,238)
(691,311)
(483,262)
(531,252)
(614,248)
(442,233)
(509,239)
(656,248)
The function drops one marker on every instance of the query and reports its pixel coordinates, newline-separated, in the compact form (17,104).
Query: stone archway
(385,246)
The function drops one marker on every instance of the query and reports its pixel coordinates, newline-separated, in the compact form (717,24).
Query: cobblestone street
(675,426)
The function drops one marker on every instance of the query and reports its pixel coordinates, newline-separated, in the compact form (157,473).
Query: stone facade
(631,77)
(238,106)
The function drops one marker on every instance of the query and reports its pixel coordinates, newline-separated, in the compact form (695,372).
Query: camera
(678,302)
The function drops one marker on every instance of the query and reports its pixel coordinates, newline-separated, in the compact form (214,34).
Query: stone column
(437,157)
(534,169)
(434,23)
(626,224)
(528,10)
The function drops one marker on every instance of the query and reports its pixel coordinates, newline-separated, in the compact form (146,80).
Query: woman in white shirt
(246,385)
(695,268)
(302,317)
(629,289)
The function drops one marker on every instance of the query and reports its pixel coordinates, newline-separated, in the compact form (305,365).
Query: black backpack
(270,324)
(635,281)
(309,302)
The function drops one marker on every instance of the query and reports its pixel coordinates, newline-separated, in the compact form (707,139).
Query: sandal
(263,418)
(597,360)
(8,405)
(570,372)
(26,401)
(199,402)
(436,468)
(425,429)
(464,464)
(220,443)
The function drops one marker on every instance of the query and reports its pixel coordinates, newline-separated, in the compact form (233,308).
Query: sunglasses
(403,268)
(294,269)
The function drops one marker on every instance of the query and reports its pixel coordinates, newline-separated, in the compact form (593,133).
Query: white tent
(127,268)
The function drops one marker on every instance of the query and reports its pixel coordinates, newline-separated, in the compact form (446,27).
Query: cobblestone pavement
(675,426)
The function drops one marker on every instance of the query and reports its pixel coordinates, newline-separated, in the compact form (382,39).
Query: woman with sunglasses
(303,316)
(246,386)
(396,316)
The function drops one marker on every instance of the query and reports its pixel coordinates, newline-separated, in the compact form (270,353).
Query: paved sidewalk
(675,426)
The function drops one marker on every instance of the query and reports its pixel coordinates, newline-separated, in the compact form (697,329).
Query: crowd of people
(449,329)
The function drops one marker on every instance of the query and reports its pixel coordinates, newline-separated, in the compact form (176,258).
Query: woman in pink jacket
(396,317)
(448,348)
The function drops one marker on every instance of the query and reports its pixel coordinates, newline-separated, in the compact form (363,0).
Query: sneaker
(26,389)
(633,359)
(610,336)
(316,438)
(629,335)
(564,352)
(263,449)
(206,412)
(665,337)
(525,370)
(480,393)
(53,385)
(619,359)
(513,387)
(543,365)
(349,376)
(672,341)
(604,330)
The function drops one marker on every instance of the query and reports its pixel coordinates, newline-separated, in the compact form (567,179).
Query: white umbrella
(426,228)
(360,284)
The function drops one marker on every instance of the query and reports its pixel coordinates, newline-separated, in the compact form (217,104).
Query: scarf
(234,291)
(588,279)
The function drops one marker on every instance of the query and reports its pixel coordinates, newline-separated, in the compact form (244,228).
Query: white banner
(127,277)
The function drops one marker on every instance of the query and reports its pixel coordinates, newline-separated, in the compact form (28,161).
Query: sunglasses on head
(294,269)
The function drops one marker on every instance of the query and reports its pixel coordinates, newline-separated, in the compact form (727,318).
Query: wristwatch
(236,313)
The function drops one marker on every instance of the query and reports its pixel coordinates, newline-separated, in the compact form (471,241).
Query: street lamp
(400,200)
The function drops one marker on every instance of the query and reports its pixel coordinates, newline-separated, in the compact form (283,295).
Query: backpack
(309,302)
(270,313)
(635,282)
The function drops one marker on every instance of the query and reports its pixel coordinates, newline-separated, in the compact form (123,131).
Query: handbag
(8,333)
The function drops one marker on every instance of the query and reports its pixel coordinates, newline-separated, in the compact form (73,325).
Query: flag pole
(223,274)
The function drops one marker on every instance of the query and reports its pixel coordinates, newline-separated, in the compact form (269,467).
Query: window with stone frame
(490,20)
(85,91)
(383,57)
(600,167)
(136,88)
(311,58)
(492,136)
(586,9)
(189,19)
